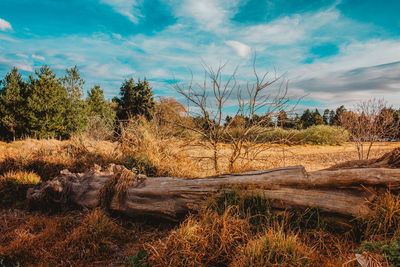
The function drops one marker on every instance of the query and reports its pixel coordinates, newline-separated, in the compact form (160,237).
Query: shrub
(274,248)
(316,135)
(13,187)
(324,135)
(281,136)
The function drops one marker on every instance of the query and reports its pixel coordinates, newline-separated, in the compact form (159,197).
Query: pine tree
(12,105)
(317,118)
(306,119)
(75,113)
(339,111)
(325,117)
(97,105)
(136,99)
(46,105)
(332,115)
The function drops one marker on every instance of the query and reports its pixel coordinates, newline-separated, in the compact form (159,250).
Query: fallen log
(337,191)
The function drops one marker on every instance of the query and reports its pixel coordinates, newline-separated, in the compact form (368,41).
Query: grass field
(222,237)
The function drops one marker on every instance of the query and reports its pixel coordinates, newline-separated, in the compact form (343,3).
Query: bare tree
(256,103)
(370,121)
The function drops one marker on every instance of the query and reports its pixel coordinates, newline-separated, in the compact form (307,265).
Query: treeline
(47,106)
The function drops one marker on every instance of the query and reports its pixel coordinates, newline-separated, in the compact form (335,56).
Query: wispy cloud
(209,15)
(241,49)
(5,25)
(128,8)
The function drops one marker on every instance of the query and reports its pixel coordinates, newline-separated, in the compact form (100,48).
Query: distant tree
(12,105)
(332,115)
(98,105)
(282,119)
(371,121)
(306,119)
(101,115)
(46,105)
(317,118)
(76,119)
(325,117)
(136,99)
(338,113)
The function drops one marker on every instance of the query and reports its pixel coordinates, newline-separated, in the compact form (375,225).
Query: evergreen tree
(306,119)
(75,117)
(325,117)
(136,99)
(317,118)
(332,115)
(339,111)
(46,105)
(12,105)
(97,105)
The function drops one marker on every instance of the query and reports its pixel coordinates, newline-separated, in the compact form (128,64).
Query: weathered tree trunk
(340,191)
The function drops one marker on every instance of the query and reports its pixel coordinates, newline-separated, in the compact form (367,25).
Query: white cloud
(210,15)
(5,25)
(127,8)
(242,50)
(41,58)
(288,30)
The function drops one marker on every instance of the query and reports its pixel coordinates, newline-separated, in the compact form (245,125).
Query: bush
(281,136)
(316,135)
(324,135)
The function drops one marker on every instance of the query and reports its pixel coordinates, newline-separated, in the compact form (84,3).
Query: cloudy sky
(332,52)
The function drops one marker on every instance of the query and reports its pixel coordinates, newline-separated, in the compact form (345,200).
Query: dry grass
(274,248)
(171,156)
(207,239)
(70,240)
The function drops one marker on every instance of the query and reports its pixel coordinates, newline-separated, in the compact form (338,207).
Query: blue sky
(332,52)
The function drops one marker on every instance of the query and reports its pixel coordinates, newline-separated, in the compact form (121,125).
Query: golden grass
(203,240)
(39,240)
(274,248)
(207,240)
(172,156)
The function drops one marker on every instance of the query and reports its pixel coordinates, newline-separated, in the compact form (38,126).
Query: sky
(330,52)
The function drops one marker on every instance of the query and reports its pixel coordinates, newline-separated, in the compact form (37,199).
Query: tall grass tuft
(206,240)
(274,248)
